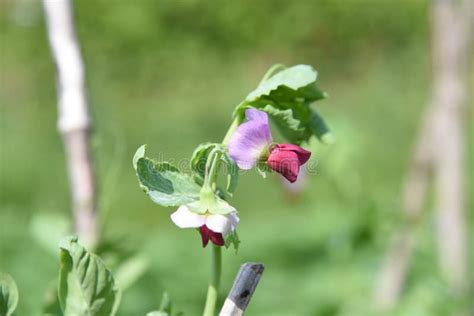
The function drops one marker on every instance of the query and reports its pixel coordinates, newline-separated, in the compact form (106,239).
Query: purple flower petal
(250,140)
(256,116)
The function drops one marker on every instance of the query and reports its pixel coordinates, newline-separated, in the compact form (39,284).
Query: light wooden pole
(438,158)
(74,122)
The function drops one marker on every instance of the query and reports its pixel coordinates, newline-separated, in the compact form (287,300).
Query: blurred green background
(168,73)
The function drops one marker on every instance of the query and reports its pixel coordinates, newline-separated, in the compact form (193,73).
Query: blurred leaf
(51,304)
(165,305)
(86,286)
(8,294)
(157,313)
(48,228)
(115,250)
(164,183)
(130,271)
(320,129)
(232,171)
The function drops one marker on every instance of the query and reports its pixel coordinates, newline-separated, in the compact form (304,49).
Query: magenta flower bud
(286,159)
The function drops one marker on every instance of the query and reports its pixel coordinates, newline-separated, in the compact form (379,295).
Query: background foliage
(168,73)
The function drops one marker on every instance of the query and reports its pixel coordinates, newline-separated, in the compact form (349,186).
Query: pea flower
(214,218)
(251,144)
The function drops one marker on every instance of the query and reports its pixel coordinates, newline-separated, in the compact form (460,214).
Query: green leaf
(320,129)
(165,184)
(165,305)
(295,77)
(289,127)
(232,171)
(199,157)
(140,153)
(232,239)
(86,286)
(8,294)
(286,97)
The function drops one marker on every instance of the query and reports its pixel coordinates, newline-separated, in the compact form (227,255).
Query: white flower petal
(218,223)
(184,218)
(222,223)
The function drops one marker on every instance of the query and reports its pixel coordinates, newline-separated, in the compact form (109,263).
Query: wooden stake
(74,123)
(242,290)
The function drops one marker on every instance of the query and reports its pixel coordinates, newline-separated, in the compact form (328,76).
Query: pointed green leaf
(164,183)
(8,294)
(86,286)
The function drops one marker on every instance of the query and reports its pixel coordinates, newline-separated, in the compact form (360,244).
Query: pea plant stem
(216,262)
(213,289)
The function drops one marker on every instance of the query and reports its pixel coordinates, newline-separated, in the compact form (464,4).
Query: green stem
(213,289)
(216,265)
(211,168)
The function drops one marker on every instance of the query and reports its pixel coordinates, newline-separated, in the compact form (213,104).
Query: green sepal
(263,168)
(210,202)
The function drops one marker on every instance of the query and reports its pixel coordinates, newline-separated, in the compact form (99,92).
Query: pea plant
(86,286)
(284,96)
